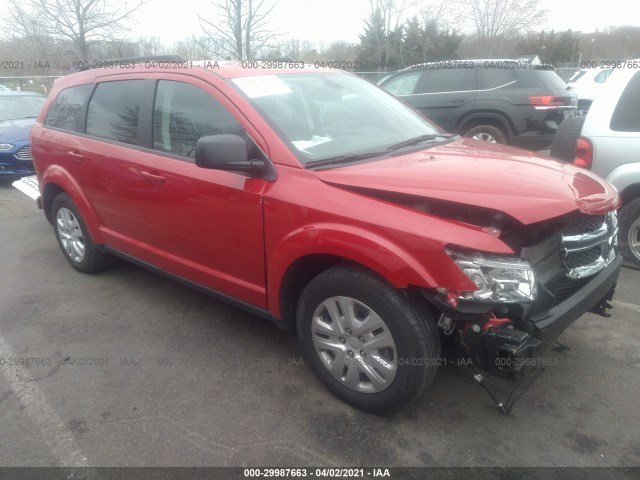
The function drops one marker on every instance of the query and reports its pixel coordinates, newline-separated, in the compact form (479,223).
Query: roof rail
(140,59)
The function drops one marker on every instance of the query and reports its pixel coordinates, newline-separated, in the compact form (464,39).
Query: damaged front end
(564,268)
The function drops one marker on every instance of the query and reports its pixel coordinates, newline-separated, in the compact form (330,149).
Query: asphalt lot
(184,380)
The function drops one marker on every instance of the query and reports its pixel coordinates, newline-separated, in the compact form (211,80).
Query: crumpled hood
(528,187)
(12,131)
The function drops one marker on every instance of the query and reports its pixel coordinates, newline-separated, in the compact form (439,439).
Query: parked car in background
(587,82)
(501,101)
(607,141)
(18,112)
(319,201)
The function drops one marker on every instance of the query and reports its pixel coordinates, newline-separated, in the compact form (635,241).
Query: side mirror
(230,153)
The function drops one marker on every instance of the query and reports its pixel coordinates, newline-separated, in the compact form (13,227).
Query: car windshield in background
(334,116)
(23,106)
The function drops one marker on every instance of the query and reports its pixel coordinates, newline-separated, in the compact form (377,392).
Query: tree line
(54,35)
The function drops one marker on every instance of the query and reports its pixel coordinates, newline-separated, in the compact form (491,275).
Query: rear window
(550,79)
(114,109)
(538,78)
(625,117)
(489,78)
(66,110)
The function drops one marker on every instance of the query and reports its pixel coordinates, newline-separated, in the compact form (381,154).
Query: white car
(607,141)
(586,83)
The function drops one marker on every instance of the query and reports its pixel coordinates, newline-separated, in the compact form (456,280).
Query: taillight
(547,101)
(584,153)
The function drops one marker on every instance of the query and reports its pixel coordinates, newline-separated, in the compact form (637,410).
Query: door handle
(457,100)
(152,177)
(78,157)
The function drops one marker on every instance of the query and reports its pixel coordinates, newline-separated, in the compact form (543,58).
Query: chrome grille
(578,222)
(24,154)
(588,243)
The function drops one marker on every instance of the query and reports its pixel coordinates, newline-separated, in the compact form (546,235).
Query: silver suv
(607,141)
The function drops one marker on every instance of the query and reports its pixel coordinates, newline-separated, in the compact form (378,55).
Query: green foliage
(417,41)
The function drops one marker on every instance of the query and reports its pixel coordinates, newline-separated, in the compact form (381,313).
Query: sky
(325,21)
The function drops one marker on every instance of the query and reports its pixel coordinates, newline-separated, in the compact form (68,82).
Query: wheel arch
(56,181)
(310,251)
(495,119)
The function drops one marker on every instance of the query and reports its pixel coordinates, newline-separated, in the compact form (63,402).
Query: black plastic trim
(260,312)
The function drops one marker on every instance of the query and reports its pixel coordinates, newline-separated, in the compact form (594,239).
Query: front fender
(377,253)
(625,176)
(57,175)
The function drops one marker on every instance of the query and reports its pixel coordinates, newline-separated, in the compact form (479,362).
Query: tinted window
(114,109)
(532,77)
(184,113)
(625,117)
(66,110)
(403,84)
(449,80)
(494,77)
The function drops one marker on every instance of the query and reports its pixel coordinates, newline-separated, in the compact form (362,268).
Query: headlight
(6,146)
(499,279)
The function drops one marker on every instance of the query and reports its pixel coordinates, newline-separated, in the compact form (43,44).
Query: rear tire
(366,341)
(629,233)
(564,141)
(487,133)
(73,237)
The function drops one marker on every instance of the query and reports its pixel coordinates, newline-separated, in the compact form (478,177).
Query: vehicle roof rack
(140,59)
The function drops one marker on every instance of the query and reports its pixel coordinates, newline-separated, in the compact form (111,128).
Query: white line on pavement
(628,306)
(51,428)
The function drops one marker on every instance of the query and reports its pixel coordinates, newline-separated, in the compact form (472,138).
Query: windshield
(15,107)
(331,115)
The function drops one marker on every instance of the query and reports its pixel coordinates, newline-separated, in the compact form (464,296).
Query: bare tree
(84,22)
(496,21)
(203,48)
(240,27)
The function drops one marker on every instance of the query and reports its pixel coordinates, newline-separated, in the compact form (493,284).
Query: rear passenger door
(155,204)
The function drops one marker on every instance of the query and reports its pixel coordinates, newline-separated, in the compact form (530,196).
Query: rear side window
(114,110)
(489,78)
(183,113)
(540,78)
(625,117)
(66,110)
(404,84)
(449,80)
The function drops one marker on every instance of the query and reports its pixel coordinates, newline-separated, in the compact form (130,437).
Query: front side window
(404,84)
(114,110)
(66,110)
(625,117)
(184,113)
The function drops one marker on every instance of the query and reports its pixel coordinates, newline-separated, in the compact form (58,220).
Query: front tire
(73,237)
(366,341)
(629,234)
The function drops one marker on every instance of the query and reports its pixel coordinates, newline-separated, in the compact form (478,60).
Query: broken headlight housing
(499,279)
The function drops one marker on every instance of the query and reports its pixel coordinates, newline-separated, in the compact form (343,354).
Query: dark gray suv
(501,101)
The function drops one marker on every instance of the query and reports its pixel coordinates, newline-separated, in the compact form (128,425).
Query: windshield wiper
(419,139)
(343,159)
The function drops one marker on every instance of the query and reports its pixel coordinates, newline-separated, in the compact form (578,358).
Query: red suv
(317,200)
